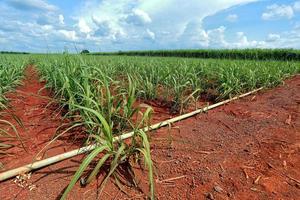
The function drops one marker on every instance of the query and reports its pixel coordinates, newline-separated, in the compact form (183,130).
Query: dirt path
(29,102)
(248,149)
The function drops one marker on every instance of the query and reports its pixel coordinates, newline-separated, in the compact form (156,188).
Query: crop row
(11,72)
(105,107)
(111,85)
(100,93)
(242,54)
(103,92)
(166,79)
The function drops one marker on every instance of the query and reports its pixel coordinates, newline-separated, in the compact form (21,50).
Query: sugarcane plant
(6,127)
(106,108)
(101,93)
(11,72)
(116,152)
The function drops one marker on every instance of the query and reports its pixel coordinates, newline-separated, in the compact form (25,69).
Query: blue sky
(112,25)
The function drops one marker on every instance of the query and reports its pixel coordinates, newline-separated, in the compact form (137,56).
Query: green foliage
(105,106)
(242,54)
(119,153)
(101,93)
(169,80)
(85,51)
(11,71)
(13,52)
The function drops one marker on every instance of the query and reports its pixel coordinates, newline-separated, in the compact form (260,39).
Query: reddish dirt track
(248,149)
(39,120)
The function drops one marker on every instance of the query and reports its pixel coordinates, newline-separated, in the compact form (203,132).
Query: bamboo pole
(48,161)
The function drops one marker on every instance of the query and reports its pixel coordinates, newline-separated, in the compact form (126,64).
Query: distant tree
(85,51)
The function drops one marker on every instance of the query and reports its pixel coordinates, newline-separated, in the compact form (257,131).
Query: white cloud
(174,15)
(287,39)
(47,28)
(273,37)
(31,11)
(104,21)
(139,24)
(194,35)
(25,5)
(232,18)
(290,39)
(277,12)
(242,41)
(104,27)
(150,34)
(127,21)
(138,17)
(83,26)
(68,35)
(217,37)
(296,6)
(49,18)
(61,19)
(107,28)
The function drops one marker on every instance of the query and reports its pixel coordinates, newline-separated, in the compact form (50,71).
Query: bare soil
(248,149)
(39,121)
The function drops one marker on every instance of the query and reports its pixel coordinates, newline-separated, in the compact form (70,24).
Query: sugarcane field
(143,100)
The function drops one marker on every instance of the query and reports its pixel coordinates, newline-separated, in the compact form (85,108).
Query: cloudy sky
(112,25)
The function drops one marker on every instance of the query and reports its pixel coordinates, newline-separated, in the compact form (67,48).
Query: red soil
(248,149)
(39,120)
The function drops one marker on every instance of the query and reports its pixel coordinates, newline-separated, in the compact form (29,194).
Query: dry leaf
(289,120)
